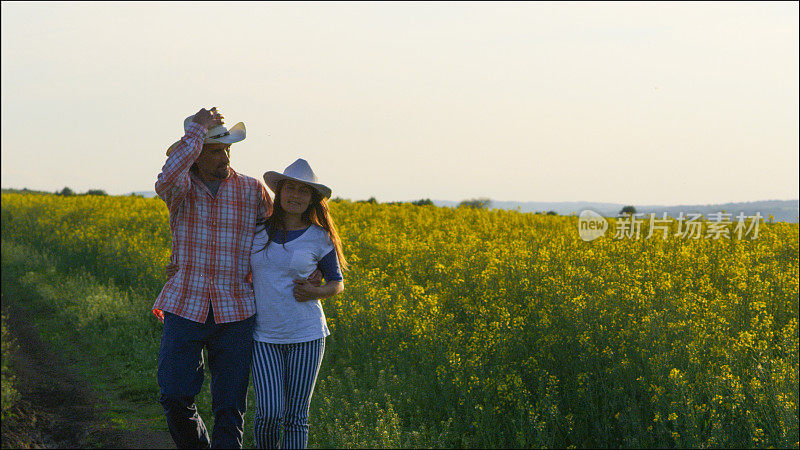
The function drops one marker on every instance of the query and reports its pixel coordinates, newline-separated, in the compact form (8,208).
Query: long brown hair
(317,213)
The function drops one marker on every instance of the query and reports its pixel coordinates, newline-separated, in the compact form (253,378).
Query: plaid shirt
(211,237)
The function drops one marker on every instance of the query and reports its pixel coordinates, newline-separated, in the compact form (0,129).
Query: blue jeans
(180,377)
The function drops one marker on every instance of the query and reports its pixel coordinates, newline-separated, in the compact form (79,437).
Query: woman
(290,327)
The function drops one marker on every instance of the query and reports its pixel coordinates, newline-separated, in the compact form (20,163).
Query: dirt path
(58,409)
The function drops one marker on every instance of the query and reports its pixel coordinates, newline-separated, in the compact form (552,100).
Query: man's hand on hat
(208,118)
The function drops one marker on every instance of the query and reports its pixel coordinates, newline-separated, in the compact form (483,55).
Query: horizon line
(491,199)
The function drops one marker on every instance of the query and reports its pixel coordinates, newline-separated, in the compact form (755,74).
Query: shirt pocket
(302,263)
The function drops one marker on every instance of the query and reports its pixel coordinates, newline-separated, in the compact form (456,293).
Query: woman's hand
(304,291)
(171,269)
(315,278)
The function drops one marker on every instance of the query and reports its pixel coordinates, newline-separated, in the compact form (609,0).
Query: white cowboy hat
(217,134)
(298,171)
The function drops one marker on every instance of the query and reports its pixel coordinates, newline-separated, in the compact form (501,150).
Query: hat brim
(236,134)
(272,178)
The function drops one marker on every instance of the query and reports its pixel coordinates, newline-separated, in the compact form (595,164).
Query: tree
(476,203)
(66,192)
(371,200)
(552,213)
(422,202)
(96,192)
(627,210)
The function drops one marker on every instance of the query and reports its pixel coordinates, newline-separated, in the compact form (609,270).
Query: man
(209,301)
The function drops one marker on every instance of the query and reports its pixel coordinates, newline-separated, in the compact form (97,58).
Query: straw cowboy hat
(298,171)
(218,134)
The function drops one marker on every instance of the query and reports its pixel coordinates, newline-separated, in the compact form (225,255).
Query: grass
(9,393)
(461,328)
(116,360)
(107,333)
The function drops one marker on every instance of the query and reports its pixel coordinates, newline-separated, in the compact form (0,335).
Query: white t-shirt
(280,319)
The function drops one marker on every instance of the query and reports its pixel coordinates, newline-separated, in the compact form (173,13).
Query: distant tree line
(476,203)
(67,192)
(373,200)
(23,191)
(421,202)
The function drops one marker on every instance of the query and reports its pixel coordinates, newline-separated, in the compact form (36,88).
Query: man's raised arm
(173,181)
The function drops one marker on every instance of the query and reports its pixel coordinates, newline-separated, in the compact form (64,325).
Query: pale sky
(635,103)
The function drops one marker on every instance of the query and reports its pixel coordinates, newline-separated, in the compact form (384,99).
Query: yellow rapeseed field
(463,327)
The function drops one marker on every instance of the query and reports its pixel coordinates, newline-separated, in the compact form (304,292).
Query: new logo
(591,225)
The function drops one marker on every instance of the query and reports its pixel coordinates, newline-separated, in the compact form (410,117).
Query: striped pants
(284,376)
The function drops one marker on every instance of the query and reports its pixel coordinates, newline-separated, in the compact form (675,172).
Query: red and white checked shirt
(211,237)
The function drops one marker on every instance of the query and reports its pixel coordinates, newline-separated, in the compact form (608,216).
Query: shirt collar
(232,173)
(194,176)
